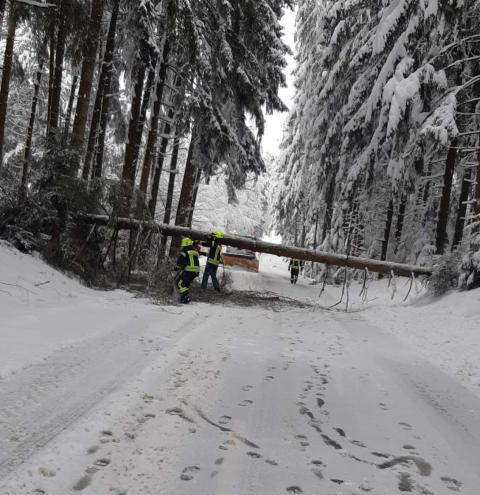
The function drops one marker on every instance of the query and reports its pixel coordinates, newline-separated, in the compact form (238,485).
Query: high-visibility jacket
(215,251)
(295,264)
(188,260)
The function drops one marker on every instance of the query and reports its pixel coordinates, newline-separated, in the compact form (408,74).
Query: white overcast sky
(275,123)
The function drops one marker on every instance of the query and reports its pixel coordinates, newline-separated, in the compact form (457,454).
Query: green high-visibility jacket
(215,251)
(295,264)
(188,260)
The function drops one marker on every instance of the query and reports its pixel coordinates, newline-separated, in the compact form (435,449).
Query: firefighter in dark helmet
(188,267)
(214,259)
(294,267)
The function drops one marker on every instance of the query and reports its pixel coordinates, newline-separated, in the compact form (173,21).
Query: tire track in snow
(43,400)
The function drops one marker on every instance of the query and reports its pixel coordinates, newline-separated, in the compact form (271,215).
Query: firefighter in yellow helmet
(188,267)
(214,245)
(294,267)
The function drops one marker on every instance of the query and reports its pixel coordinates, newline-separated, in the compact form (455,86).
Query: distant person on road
(214,259)
(188,268)
(294,267)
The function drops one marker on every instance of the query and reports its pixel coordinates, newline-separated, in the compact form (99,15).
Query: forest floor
(262,392)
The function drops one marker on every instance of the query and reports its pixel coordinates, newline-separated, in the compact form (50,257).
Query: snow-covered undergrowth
(43,310)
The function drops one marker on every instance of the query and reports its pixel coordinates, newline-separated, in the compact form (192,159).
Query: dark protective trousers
(294,275)
(210,271)
(183,284)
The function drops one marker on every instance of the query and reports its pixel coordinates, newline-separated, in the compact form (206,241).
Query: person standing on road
(188,268)
(294,267)
(214,259)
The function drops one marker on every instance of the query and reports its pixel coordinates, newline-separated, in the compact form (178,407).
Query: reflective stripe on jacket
(214,251)
(295,264)
(215,254)
(188,261)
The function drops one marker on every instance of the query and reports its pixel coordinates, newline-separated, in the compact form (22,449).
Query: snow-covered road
(225,400)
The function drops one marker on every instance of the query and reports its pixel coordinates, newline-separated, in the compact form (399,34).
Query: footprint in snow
(224,420)
(247,388)
(188,473)
(452,484)
(405,426)
(102,462)
(294,489)
(82,483)
(255,455)
(246,402)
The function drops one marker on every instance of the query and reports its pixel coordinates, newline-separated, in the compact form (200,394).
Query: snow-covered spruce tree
(239,61)
(373,120)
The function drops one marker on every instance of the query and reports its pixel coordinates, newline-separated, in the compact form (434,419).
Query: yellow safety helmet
(186,241)
(218,234)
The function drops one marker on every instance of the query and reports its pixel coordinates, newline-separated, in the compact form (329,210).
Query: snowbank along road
(107,394)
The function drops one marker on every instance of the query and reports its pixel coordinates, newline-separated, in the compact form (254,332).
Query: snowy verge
(42,310)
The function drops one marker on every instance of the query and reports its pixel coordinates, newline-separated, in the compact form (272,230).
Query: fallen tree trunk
(384,267)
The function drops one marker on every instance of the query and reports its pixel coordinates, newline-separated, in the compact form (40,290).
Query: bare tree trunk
(7,72)
(442,236)
(28,145)
(462,208)
(86,79)
(356,263)
(171,189)
(92,137)
(2,11)
(51,70)
(143,112)
(107,74)
(386,233)
(171,181)
(152,205)
(188,186)
(476,209)
(154,121)
(327,217)
(68,117)
(400,220)
(193,202)
(58,73)
(129,170)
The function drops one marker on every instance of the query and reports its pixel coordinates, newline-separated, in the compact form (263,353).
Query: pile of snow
(43,310)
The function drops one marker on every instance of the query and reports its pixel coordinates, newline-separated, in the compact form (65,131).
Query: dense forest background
(382,153)
(155,110)
(126,109)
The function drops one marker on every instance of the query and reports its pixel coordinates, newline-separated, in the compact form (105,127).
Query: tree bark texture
(28,144)
(388,228)
(171,182)
(7,73)
(129,170)
(86,78)
(462,208)
(51,69)
(106,83)
(68,116)
(400,220)
(143,112)
(188,186)
(154,121)
(152,204)
(444,210)
(58,72)
(376,266)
